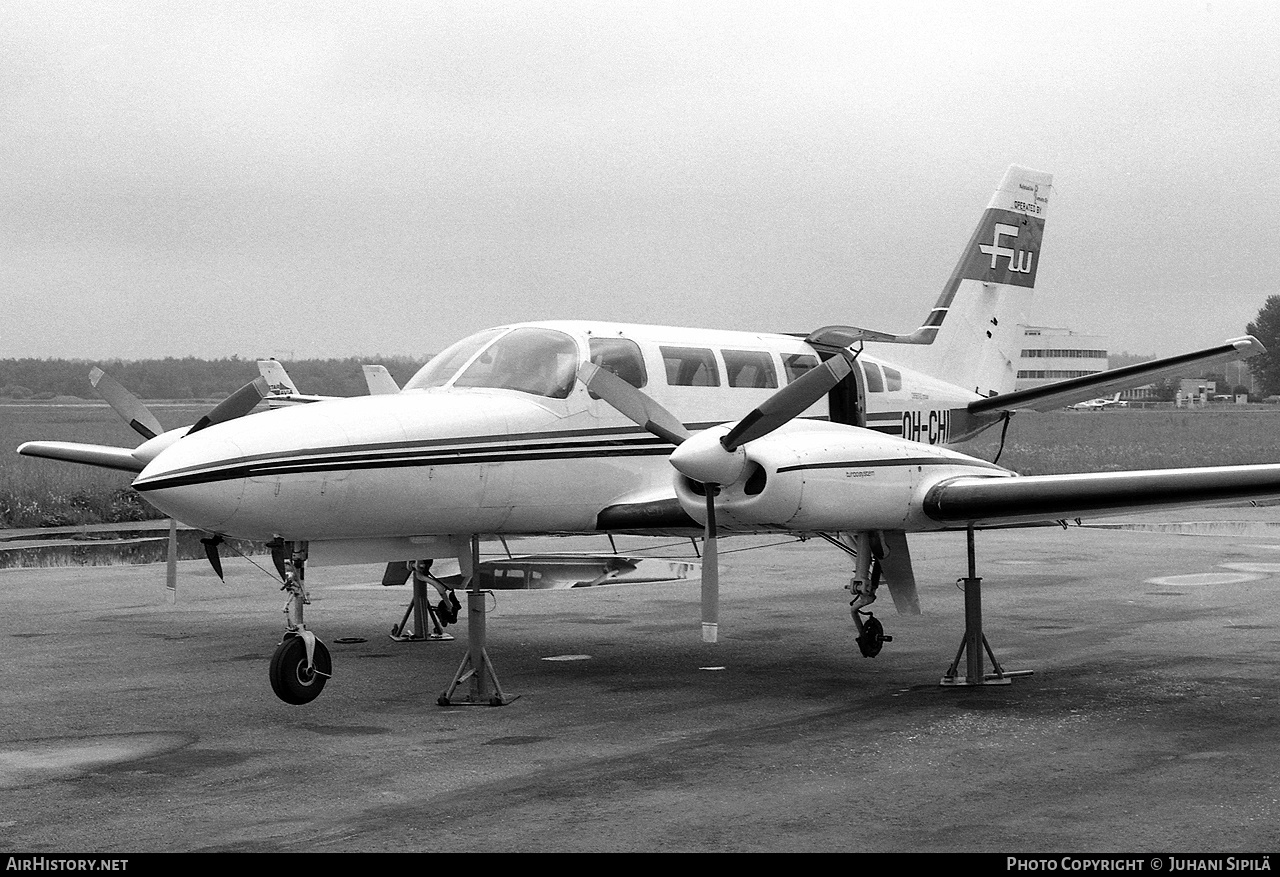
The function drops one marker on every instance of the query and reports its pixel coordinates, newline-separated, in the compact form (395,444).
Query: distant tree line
(188,377)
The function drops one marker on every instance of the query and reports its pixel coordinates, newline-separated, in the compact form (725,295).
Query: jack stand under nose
(974,641)
(483,688)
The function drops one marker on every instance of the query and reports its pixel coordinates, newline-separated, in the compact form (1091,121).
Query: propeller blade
(277,557)
(633,404)
(788,402)
(211,544)
(710,572)
(238,404)
(127,405)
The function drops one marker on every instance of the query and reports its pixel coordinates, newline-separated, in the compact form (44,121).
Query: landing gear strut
(975,642)
(301,665)
(866,551)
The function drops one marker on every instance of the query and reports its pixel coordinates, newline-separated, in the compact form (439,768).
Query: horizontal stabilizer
(1030,498)
(847,336)
(91,455)
(1082,389)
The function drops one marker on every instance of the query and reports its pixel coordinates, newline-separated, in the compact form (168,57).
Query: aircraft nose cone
(199,480)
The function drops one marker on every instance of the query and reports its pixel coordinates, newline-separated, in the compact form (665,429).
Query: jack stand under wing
(476,670)
(975,641)
(419,609)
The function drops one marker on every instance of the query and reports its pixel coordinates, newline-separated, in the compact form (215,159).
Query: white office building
(1051,354)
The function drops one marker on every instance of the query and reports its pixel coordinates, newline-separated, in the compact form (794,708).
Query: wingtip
(1248,346)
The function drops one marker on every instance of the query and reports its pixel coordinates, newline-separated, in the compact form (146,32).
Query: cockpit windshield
(444,366)
(542,362)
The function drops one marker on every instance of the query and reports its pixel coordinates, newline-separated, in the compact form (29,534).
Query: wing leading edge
(104,456)
(980,501)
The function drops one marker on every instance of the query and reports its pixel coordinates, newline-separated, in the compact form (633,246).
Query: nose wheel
(296,677)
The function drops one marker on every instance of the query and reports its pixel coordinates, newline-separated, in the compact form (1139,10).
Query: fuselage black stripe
(336,463)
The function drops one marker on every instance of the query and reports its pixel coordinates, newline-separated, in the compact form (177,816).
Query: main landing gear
(301,665)
(865,548)
(975,642)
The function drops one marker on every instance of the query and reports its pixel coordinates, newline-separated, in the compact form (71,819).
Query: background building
(1052,354)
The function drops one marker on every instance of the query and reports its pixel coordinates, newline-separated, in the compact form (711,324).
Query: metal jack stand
(476,669)
(420,609)
(975,641)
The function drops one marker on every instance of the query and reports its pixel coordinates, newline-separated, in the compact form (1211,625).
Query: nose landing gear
(301,664)
(300,668)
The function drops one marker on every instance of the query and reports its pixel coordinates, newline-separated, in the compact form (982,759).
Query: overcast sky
(339,179)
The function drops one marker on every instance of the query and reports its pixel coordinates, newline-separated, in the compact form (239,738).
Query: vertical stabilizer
(379,380)
(972,333)
(277,378)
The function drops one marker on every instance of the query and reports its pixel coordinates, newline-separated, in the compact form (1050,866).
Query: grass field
(1103,441)
(45,493)
(38,493)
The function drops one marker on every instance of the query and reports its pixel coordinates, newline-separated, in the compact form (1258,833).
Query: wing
(1089,387)
(983,501)
(104,456)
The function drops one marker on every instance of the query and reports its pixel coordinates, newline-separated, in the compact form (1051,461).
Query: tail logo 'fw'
(995,251)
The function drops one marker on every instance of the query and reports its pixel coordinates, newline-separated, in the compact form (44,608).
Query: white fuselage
(458,459)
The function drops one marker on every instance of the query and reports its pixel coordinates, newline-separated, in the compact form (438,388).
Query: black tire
(290,679)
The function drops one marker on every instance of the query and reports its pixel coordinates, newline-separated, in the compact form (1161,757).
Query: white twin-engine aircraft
(581,427)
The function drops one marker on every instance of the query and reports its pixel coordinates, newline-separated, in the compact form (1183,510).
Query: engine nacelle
(812,475)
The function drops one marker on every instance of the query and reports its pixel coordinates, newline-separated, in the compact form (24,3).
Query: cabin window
(796,364)
(622,357)
(541,362)
(875,383)
(443,366)
(892,379)
(750,368)
(690,367)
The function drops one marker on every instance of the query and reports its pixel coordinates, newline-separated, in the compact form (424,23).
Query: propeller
(127,405)
(238,404)
(143,422)
(714,457)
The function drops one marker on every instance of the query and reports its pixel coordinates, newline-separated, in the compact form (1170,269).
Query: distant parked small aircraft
(1099,404)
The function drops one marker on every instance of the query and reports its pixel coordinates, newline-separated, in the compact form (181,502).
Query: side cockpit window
(622,357)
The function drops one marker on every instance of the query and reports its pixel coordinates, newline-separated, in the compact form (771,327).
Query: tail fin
(277,378)
(379,380)
(972,332)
